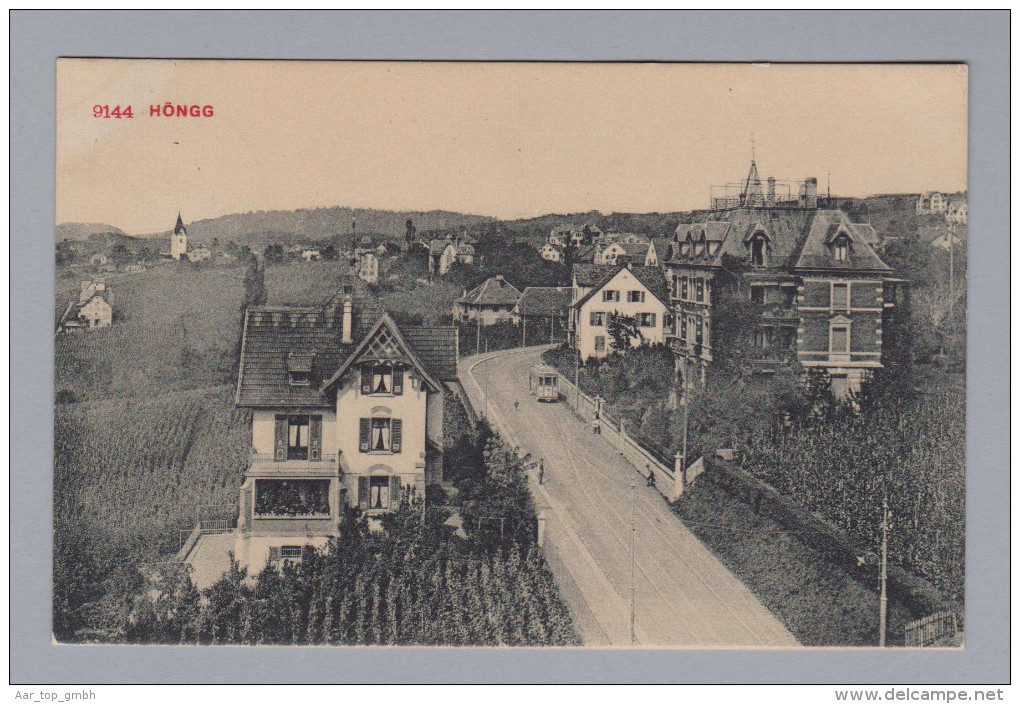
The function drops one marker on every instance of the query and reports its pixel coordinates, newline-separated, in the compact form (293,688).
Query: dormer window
(841,249)
(758,251)
(685,248)
(299,368)
(699,248)
(382,378)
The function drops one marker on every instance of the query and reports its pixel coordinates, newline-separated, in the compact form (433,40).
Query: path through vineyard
(683,595)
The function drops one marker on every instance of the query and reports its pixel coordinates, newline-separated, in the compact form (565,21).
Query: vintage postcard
(593,355)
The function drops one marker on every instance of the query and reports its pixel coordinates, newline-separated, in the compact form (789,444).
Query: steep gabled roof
(815,252)
(544,300)
(588,275)
(436,347)
(386,332)
(651,277)
(496,291)
(637,251)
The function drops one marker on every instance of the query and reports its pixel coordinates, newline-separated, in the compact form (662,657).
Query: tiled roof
(313,333)
(653,278)
(496,291)
(637,251)
(439,246)
(436,347)
(796,238)
(544,300)
(587,275)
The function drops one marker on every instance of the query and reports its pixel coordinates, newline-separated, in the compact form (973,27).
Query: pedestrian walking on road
(651,475)
(517,405)
(541,471)
(596,425)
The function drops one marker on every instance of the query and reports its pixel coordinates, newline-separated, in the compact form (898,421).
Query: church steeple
(179,240)
(179,227)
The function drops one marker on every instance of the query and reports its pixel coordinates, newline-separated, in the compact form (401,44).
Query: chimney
(770,193)
(809,193)
(346,333)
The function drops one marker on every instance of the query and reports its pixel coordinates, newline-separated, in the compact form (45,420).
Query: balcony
(265,465)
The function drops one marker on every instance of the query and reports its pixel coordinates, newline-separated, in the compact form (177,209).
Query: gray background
(38,38)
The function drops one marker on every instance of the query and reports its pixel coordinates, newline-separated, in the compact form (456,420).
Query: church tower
(179,240)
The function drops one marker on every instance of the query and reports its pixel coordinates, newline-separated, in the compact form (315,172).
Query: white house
(635,293)
(931,202)
(549,252)
(607,254)
(347,411)
(200,254)
(444,253)
(956,212)
(311,255)
(489,303)
(94,309)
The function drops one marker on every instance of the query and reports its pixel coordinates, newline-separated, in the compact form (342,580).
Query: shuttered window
(398,380)
(363,493)
(315,438)
(280,442)
(365,435)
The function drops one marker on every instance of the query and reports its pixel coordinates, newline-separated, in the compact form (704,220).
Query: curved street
(682,595)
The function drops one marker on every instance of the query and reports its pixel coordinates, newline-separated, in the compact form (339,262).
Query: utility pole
(551,332)
(633,531)
(524,329)
(485,366)
(478,336)
(883,599)
(577,387)
(683,402)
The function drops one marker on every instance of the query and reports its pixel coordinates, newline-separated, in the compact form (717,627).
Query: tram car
(544,383)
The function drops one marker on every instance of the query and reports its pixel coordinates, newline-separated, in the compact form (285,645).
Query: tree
(411,234)
(623,329)
(274,254)
(330,254)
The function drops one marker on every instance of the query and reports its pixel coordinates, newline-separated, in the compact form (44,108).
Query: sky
(503,139)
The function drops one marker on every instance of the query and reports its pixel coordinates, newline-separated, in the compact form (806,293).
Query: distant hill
(288,227)
(84,230)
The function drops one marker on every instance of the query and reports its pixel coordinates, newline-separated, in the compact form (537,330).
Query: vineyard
(916,445)
(175,328)
(128,474)
(413,584)
(409,587)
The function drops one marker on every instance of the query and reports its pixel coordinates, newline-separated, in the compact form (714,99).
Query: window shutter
(274,553)
(315,438)
(394,491)
(398,379)
(396,433)
(280,444)
(365,439)
(363,492)
(366,379)
(651,320)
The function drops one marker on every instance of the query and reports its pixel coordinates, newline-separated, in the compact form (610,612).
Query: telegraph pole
(883,599)
(633,531)
(524,329)
(577,375)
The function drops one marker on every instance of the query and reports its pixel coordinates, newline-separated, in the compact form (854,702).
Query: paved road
(683,595)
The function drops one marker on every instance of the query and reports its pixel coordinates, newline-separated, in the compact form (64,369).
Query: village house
(347,411)
(444,253)
(956,212)
(489,303)
(200,254)
(549,252)
(93,309)
(931,203)
(543,308)
(310,255)
(603,294)
(366,261)
(823,289)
